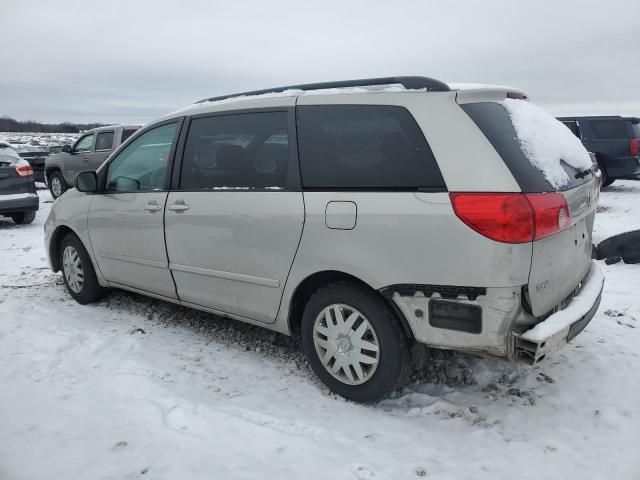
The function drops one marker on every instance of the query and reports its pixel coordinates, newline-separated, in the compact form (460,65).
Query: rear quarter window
(364,147)
(609,129)
(494,122)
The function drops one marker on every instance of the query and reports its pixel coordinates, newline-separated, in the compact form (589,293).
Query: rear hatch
(11,182)
(546,158)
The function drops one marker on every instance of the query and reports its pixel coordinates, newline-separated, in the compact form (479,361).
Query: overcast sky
(132,61)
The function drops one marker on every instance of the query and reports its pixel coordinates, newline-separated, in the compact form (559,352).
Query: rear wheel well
(54,246)
(314,282)
(50,170)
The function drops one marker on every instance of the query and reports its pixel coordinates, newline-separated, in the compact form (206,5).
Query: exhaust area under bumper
(558,329)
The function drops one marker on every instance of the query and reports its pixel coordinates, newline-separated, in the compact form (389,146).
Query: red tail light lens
(551,213)
(633,146)
(512,217)
(24,171)
(505,217)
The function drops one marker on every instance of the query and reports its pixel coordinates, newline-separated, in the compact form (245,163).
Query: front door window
(142,165)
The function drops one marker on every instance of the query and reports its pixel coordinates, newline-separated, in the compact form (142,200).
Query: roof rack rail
(410,83)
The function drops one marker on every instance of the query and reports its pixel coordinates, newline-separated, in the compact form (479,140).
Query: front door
(78,159)
(234,222)
(103,147)
(126,222)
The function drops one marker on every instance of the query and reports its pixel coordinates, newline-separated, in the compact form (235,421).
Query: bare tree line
(8,124)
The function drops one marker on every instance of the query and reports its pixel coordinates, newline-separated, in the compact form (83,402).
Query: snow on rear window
(546,142)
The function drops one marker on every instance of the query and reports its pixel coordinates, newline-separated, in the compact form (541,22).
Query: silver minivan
(361,216)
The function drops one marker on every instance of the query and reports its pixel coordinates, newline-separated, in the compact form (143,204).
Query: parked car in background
(87,153)
(614,140)
(361,220)
(18,197)
(36,156)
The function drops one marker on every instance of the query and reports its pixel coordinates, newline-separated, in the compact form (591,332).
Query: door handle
(178,207)
(152,207)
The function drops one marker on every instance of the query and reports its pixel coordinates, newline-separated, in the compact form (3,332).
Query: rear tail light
(513,217)
(633,146)
(551,213)
(24,170)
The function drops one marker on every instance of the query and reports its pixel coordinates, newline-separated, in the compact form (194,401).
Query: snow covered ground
(136,388)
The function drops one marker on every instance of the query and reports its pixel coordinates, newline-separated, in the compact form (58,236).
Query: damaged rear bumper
(562,326)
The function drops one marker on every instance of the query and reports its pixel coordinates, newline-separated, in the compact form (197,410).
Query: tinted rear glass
(364,147)
(494,121)
(247,150)
(609,129)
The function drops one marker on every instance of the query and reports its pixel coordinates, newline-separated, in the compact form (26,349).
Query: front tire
(78,272)
(354,343)
(23,218)
(57,185)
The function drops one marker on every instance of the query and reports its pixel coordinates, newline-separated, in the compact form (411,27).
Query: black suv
(614,140)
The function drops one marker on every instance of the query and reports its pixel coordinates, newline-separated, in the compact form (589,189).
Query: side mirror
(66,148)
(86,182)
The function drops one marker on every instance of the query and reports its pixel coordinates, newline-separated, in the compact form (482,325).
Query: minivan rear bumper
(562,326)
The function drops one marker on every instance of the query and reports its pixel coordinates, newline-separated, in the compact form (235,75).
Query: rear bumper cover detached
(558,329)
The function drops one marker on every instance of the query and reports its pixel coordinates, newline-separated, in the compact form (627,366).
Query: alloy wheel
(56,186)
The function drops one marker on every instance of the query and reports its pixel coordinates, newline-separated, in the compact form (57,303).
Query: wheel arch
(54,245)
(313,282)
(49,169)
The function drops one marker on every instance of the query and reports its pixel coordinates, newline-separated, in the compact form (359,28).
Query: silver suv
(88,153)
(362,216)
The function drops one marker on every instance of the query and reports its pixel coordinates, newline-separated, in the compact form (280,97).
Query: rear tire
(368,357)
(57,185)
(23,218)
(78,272)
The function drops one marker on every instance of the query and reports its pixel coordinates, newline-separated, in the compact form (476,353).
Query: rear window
(494,121)
(609,129)
(126,133)
(364,147)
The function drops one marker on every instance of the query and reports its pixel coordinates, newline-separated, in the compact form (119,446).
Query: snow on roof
(394,88)
(390,88)
(546,142)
